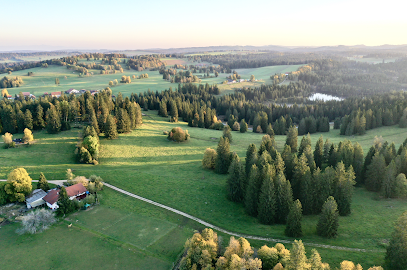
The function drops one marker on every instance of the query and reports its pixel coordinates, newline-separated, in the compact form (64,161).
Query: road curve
(233,233)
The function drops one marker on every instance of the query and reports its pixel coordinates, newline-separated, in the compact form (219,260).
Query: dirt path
(233,233)
(55,182)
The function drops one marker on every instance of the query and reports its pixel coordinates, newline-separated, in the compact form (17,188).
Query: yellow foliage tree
(209,158)
(18,185)
(28,135)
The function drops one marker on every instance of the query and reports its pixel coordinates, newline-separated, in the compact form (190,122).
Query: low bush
(178,135)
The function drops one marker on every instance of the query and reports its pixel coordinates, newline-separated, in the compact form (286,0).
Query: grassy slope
(145,163)
(43,79)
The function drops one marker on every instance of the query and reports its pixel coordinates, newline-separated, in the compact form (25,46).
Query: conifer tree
(270,131)
(53,120)
(163,108)
(293,227)
(298,259)
(227,133)
(345,181)
(389,181)
(236,180)
(43,183)
(123,121)
(292,138)
(305,141)
(284,198)
(301,171)
(307,152)
(138,121)
(111,128)
(396,255)
(223,157)
(251,196)
(279,164)
(251,157)
(375,173)
(20,121)
(327,147)
(267,198)
(316,263)
(243,126)
(94,121)
(328,222)
(319,152)
(288,161)
(358,159)
(65,204)
(174,111)
(28,119)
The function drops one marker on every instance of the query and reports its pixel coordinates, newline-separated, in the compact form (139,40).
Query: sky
(135,24)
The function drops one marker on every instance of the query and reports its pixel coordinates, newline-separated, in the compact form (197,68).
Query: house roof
(52,196)
(26,93)
(36,195)
(56,93)
(75,190)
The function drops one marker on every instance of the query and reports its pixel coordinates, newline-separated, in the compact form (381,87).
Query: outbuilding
(36,198)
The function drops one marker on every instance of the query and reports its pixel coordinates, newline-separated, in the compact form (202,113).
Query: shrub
(8,140)
(37,221)
(79,179)
(28,135)
(236,126)
(178,135)
(217,126)
(209,158)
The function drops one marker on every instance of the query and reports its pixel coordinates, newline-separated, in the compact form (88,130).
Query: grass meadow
(146,163)
(43,79)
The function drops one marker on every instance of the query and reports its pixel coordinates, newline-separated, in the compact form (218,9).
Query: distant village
(55,94)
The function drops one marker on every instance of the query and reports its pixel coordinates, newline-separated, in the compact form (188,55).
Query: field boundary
(209,225)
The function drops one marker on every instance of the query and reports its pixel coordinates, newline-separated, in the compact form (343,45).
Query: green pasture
(34,58)
(43,79)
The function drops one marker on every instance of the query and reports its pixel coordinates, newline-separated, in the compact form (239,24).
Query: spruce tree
(173,111)
(389,181)
(328,222)
(43,183)
(138,116)
(310,158)
(111,128)
(345,181)
(270,131)
(327,147)
(94,121)
(267,198)
(298,259)
(292,138)
(316,263)
(28,119)
(243,126)
(375,173)
(288,161)
(236,180)
(358,158)
(251,196)
(53,120)
(293,227)
(279,164)
(223,158)
(319,152)
(284,198)
(66,206)
(123,121)
(227,133)
(20,121)
(305,142)
(251,157)
(301,170)
(396,255)
(163,108)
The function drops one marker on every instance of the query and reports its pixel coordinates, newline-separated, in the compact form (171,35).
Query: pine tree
(292,138)
(223,157)
(251,157)
(319,152)
(284,198)
(243,126)
(293,227)
(65,204)
(43,183)
(53,120)
(328,222)
(396,255)
(236,180)
(28,119)
(267,198)
(251,196)
(111,128)
(298,259)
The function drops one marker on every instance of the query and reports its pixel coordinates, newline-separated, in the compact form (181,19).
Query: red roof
(56,93)
(52,196)
(75,190)
(26,93)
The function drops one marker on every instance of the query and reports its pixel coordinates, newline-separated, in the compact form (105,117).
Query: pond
(324,97)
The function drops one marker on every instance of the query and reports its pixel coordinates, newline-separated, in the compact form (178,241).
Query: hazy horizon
(136,25)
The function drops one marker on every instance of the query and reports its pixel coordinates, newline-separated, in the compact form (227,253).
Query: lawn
(145,163)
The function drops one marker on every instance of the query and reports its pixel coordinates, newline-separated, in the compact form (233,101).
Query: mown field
(145,163)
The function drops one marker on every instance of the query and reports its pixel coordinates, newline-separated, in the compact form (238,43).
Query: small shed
(35,198)
(52,198)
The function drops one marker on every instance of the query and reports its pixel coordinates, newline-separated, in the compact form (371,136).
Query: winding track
(233,233)
(60,182)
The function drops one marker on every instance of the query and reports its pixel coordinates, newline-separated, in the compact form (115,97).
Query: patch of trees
(7,82)
(180,76)
(207,250)
(177,134)
(102,112)
(87,149)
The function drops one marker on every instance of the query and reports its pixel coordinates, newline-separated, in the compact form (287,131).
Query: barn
(36,198)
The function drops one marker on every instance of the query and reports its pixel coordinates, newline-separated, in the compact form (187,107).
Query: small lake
(324,97)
